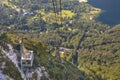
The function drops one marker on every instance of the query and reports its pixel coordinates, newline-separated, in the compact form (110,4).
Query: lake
(111,13)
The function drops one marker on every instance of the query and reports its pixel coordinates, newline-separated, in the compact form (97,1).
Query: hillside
(90,49)
(53,65)
(102,55)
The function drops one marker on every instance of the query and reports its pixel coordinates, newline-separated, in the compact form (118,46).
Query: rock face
(3,62)
(2,76)
(13,57)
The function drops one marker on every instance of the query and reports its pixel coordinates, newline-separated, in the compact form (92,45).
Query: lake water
(111,14)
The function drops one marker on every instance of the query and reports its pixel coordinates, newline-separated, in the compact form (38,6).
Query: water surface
(111,14)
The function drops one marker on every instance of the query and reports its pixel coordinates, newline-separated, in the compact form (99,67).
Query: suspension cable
(55,9)
(58,16)
(61,13)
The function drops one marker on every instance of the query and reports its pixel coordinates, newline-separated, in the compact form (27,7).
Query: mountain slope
(102,57)
(94,47)
(54,67)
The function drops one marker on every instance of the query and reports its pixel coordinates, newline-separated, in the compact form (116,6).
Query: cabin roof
(25,54)
(29,56)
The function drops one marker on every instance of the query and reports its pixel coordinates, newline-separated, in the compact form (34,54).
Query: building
(62,51)
(27,56)
(83,0)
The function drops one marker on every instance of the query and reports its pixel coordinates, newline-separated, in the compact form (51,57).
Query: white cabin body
(27,57)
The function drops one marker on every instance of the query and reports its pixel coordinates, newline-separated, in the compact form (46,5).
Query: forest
(95,46)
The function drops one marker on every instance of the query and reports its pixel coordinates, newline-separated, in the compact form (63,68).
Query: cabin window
(27,62)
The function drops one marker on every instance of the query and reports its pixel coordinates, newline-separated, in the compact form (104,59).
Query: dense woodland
(95,46)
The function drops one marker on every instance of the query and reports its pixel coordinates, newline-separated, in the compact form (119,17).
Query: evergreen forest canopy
(96,46)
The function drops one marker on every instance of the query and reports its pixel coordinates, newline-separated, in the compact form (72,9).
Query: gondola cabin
(26,56)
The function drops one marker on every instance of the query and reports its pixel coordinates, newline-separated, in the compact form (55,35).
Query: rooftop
(83,0)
